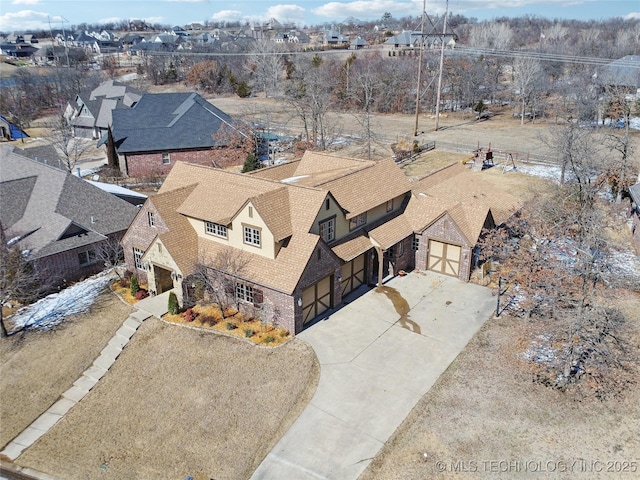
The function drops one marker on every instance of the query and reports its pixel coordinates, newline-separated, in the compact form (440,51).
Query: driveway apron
(378,356)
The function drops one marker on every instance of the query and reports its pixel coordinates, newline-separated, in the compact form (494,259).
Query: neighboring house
(46,154)
(311,231)
(59,221)
(411,39)
(334,38)
(165,128)
(91,115)
(17,49)
(624,72)
(10,131)
(634,192)
(358,43)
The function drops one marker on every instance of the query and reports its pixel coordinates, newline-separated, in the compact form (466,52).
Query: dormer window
(251,236)
(358,221)
(215,229)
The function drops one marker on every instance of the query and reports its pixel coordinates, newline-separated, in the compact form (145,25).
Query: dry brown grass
(181,402)
(485,407)
(39,366)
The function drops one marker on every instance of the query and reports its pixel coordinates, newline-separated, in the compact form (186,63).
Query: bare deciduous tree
(70,148)
(527,79)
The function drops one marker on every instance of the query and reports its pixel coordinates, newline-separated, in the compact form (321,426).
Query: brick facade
(63,268)
(140,235)
(444,230)
(316,270)
(151,163)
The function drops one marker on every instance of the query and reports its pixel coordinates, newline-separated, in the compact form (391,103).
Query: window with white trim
(244,292)
(328,229)
(251,236)
(166,158)
(358,221)
(152,219)
(137,257)
(215,229)
(87,258)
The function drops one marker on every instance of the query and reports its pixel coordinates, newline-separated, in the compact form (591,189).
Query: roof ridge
(418,179)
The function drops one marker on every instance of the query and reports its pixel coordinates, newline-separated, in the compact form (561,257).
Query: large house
(309,232)
(165,128)
(91,115)
(61,223)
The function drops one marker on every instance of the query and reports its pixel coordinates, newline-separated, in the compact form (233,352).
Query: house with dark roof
(91,113)
(163,129)
(411,39)
(310,232)
(623,72)
(61,223)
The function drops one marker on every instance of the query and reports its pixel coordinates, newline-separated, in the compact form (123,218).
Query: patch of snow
(634,123)
(53,309)
(551,172)
(540,350)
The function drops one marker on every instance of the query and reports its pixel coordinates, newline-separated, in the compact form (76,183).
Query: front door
(164,282)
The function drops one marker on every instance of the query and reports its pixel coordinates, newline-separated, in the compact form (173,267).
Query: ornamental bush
(135,286)
(173,304)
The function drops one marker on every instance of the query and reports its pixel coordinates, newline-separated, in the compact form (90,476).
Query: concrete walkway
(151,306)
(378,355)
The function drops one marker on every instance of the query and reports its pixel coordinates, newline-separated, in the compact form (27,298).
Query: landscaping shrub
(173,304)
(269,339)
(229,312)
(135,286)
(231,326)
(189,315)
(208,320)
(249,332)
(140,294)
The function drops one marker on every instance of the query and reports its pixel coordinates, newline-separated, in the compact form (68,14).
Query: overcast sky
(38,14)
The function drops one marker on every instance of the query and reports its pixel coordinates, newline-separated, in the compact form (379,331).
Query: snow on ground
(551,172)
(53,309)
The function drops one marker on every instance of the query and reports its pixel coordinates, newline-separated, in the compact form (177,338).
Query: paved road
(379,355)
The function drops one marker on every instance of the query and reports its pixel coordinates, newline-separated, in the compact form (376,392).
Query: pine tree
(251,163)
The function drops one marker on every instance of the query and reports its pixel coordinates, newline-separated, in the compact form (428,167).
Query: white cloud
(632,16)
(110,20)
(27,20)
(154,20)
(371,8)
(287,13)
(25,2)
(228,16)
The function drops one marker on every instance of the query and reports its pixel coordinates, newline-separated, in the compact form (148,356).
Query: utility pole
(424,7)
(444,32)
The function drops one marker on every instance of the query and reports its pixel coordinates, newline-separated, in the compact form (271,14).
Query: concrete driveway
(379,355)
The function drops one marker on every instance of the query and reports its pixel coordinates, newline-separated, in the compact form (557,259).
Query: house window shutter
(257,297)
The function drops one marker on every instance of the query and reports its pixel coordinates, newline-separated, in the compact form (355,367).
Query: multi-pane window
(328,229)
(244,292)
(152,219)
(87,258)
(358,221)
(166,158)
(137,257)
(215,229)
(389,205)
(416,243)
(251,236)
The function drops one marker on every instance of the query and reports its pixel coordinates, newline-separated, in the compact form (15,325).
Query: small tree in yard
(135,286)
(70,148)
(18,279)
(217,276)
(173,304)
(251,163)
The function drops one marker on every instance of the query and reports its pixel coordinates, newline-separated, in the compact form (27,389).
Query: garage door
(444,258)
(353,274)
(316,299)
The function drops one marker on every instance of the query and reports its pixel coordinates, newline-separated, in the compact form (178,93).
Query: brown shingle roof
(456,183)
(352,248)
(277,172)
(391,232)
(181,240)
(275,209)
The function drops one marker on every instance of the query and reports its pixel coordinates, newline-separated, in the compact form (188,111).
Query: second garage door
(444,258)
(317,298)
(353,274)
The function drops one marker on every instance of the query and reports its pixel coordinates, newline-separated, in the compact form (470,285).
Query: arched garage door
(444,258)
(317,298)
